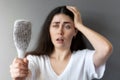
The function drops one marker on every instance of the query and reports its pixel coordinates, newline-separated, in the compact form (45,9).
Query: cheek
(70,36)
(52,34)
(50,31)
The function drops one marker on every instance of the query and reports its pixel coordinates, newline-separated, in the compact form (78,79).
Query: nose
(60,30)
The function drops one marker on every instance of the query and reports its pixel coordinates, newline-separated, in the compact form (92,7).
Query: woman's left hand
(102,46)
(77,16)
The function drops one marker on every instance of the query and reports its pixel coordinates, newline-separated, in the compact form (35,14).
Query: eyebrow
(59,22)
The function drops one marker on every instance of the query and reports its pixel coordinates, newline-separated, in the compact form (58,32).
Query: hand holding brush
(21,36)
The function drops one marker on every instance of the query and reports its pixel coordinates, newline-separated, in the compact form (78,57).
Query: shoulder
(36,62)
(83,52)
(36,59)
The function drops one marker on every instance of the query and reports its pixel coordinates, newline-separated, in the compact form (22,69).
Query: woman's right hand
(19,69)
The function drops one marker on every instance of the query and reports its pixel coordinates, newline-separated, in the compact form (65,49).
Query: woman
(61,53)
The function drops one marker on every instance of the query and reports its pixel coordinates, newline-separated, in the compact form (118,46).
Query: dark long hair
(45,45)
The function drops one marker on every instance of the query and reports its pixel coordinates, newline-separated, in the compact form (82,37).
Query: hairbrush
(22,36)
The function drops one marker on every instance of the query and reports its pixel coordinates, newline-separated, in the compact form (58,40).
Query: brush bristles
(22,34)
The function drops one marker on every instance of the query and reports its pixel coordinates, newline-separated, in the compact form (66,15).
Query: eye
(55,26)
(67,26)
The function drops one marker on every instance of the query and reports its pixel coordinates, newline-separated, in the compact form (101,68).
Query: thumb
(25,60)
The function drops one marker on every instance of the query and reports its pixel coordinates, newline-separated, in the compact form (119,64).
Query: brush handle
(21,53)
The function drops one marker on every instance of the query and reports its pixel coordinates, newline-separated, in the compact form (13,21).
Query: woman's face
(62,31)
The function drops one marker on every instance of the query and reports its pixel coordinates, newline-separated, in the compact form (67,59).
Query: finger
(69,8)
(21,73)
(75,11)
(25,60)
(72,9)
(18,75)
(17,69)
(18,60)
(18,72)
(15,59)
(19,65)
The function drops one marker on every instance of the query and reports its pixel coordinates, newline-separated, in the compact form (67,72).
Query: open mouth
(60,40)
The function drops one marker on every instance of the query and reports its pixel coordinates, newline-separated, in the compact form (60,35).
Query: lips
(60,40)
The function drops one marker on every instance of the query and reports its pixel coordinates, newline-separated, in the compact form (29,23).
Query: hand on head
(77,15)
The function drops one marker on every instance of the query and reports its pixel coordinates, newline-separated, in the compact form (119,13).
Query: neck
(61,54)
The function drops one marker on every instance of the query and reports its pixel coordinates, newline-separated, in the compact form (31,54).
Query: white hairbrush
(22,36)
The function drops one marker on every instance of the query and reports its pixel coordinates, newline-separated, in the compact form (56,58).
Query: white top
(79,67)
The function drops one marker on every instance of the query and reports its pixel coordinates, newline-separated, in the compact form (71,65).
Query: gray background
(102,16)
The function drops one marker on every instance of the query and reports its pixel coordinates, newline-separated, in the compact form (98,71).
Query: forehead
(62,18)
